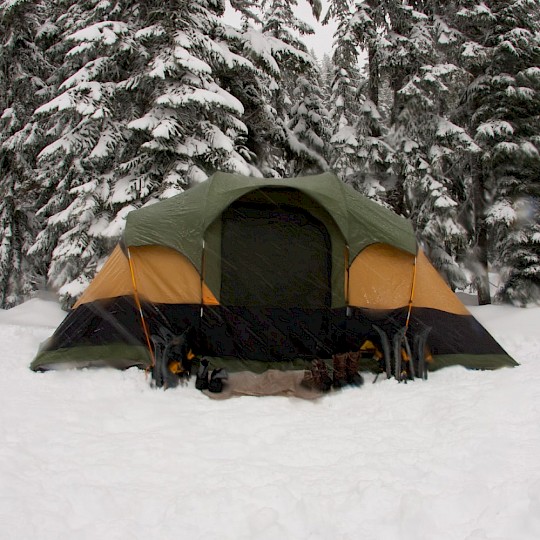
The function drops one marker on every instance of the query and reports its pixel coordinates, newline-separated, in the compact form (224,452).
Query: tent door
(274,256)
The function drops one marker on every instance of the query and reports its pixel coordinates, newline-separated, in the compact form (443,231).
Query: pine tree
(192,124)
(431,186)
(326,69)
(85,126)
(395,139)
(344,94)
(23,70)
(308,128)
(295,95)
(376,156)
(503,52)
(140,113)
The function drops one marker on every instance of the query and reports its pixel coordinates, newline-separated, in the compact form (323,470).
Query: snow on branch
(501,212)
(185,59)
(87,73)
(494,129)
(106,32)
(480,9)
(208,98)
(156,30)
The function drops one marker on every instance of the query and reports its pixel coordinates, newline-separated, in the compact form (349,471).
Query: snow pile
(99,454)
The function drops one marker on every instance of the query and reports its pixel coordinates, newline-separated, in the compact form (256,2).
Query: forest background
(430,107)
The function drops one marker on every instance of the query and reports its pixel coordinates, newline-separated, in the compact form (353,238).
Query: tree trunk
(481,250)
(482,277)
(373,76)
(373,90)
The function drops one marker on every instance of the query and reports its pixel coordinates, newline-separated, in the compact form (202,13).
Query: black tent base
(259,338)
(121,356)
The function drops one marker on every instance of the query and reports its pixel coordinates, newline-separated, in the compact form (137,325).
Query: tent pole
(139,306)
(411,299)
(347,280)
(203,264)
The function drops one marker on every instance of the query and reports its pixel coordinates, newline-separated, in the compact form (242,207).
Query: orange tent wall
(381,277)
(162,275)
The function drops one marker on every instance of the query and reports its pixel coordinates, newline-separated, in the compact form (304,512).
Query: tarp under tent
(267,274)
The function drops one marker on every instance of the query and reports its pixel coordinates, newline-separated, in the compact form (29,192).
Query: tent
(268,273)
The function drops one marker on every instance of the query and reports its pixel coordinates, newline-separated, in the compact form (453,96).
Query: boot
(321,378)
(201,382)
(215,384)
(351,368)
(340,372)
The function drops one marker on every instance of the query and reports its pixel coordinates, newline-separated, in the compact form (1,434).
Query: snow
(185,59)
(168,128)
(214,96)
(471,49)
(502,211)
(8,113)
(495,128)
(105,32)
(261,46)
(161,67)
(106,144)
(59,103)
(99,454)
(155,30)
(147,123)
(506,147)
(116,227)
(444,201)
(449,129)
(86,73)
(529,149)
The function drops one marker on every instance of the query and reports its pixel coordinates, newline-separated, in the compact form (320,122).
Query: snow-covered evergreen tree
(431,185)
(394,137)
(85,125)
(192,125)
(344,96)
(503,52)
(139,113)
(326,70)
(23,69)
(376,157)
(298,145)
(309,128)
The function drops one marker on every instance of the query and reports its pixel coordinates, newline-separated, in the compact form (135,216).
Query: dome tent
(270,273)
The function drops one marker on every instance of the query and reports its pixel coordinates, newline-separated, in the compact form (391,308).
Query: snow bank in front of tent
(99,454)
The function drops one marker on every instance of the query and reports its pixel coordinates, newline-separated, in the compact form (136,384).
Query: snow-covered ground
(98,454)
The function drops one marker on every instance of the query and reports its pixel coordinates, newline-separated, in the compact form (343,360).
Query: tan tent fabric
(165,276)
(208,296)
(112,280)
(381,278)
(431,290)
(162,275)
